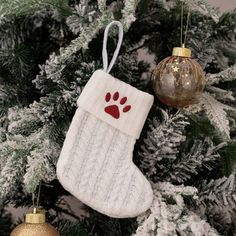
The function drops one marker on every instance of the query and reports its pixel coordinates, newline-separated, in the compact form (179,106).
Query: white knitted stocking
(95,164)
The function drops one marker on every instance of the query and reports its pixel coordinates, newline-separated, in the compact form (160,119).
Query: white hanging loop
(107,68)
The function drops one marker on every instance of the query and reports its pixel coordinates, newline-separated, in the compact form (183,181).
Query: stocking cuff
(116,103)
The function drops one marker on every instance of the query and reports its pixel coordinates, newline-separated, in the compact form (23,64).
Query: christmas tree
(49,50)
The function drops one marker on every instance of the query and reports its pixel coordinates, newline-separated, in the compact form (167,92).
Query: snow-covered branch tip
(215,112)
(226,75)
(169,214)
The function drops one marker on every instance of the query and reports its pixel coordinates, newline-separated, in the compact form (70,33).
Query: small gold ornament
(178,80)
(35,225)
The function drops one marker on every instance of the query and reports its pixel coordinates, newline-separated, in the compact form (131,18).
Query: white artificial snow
(169,216)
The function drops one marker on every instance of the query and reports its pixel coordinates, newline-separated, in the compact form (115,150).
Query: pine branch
(102,5)
(219,192)
(128,13)
(216,114)
(229,155)
(56,64)
(11,8)
(201,6)
(218,199)
(204,7)
(201,157)
(69,228)
(221,94)
(65,211)
(162,144)
(12,170)
(87,34)
(22,121)
(86,13)
(169,214)
(226,75)
(41,162)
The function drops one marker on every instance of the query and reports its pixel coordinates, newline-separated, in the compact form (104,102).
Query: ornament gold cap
(181,51)
(37,217)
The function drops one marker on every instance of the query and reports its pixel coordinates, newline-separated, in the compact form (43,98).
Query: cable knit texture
(96,165)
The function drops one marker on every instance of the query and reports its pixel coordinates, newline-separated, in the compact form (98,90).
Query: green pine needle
(202,127)
(16,8)
(229,155)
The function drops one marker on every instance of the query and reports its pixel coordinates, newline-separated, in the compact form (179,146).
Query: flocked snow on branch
(202,156)
(226,75)
(216,113)
(219,192)
(86,13)
(129,13)
(10,8)
(41,162)
(12,170)
(202,6)
(56,64)
(218,198)
(27,155)
(169,214)
(163,142)
(221,94)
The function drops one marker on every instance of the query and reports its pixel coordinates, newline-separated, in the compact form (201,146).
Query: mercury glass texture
(178,81)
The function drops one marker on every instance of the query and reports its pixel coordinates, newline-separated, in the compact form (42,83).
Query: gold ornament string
(181,23)
(182,43)
(33,200)
(36,206)
(38,197)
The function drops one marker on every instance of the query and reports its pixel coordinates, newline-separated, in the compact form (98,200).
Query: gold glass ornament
(178,80)
(35,225)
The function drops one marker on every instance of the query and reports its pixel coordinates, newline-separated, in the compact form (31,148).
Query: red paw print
(114,110)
